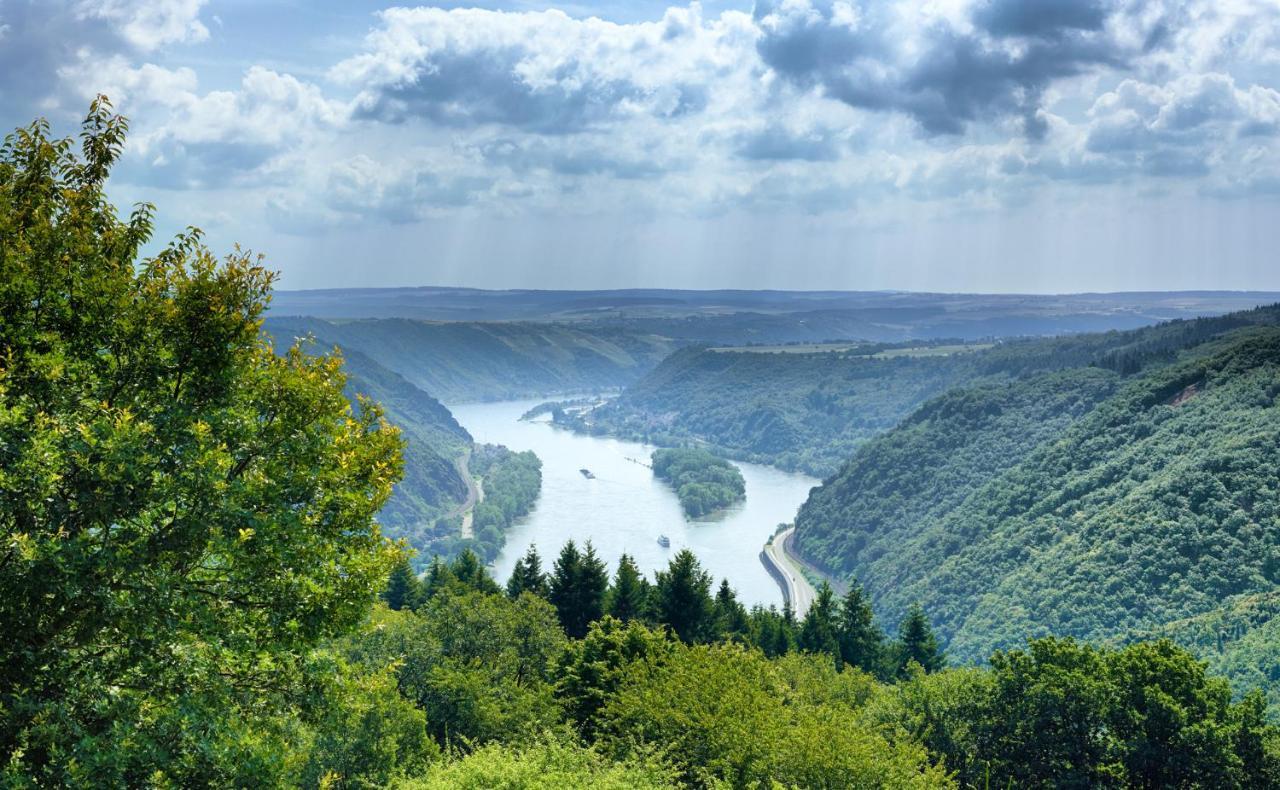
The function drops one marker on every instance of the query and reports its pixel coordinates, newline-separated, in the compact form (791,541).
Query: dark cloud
(1044,18)
(1000,69)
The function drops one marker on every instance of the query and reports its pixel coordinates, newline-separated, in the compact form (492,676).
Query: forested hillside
(433,487)
(1156,505)
(810,408)
(469,361)
(795,411)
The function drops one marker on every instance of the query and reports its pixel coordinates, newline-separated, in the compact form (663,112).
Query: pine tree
(438,577)
(730,616)
(861,640)
(578,584)
(817,631)
(468,570)
(403,588)
(629,598)
(527,575)
(593,585)
(564,578)
(917,643)
(684,598)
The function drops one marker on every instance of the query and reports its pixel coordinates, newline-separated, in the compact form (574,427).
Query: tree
(185,514)
(403,591)
(684,598)
(630,596)
(527,575)
(578,584)
(730,616)
(590,670)
(917,643)
(861,640)
(470,572)
(817,630)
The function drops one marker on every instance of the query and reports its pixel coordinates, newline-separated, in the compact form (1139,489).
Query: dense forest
(1078,503)
(195,590)
(702,482)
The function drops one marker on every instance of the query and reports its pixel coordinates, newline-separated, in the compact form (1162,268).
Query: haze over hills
(470,361)
(737,317)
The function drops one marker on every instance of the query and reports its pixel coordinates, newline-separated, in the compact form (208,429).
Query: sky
(939,145)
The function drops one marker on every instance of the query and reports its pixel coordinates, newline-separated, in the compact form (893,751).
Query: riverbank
(796,589)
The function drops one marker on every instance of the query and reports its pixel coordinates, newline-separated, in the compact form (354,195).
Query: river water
(625,509)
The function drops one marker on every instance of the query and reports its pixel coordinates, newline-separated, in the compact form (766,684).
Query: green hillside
(1158,504)
(471,361)
(433,486)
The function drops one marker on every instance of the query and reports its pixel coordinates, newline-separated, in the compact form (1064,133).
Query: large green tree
(684,598)
(578,583)
(185,513)
(861,640)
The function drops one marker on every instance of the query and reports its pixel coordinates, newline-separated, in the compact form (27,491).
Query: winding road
(474,493)
(795,587)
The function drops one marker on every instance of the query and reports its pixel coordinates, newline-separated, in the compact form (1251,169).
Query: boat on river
(587,474)
(664,541)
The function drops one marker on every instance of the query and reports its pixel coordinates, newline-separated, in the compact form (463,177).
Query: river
(625,509)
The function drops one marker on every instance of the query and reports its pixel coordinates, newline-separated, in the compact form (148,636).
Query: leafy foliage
(185,514)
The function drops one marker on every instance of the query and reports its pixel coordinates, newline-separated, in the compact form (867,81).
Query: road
(474,493)
(796,589)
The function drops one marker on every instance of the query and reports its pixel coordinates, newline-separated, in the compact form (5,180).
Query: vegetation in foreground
(190,563)
(702,482)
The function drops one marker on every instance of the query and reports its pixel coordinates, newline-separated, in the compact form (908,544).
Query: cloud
(40,39)
(944,72)
(543,72)
(182,138)
(150,24)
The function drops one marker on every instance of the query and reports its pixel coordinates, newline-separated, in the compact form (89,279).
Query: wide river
(625,509)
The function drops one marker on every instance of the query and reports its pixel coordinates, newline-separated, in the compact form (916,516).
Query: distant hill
(1132,496)
(470,361)
(741,316)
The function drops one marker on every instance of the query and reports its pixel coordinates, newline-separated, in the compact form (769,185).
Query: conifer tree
(468,570)
(684,598)
(527,575)
(629,598)
(578,584)
(917,643)
(818,631)
(861,640)
(403,588)
(730,615)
